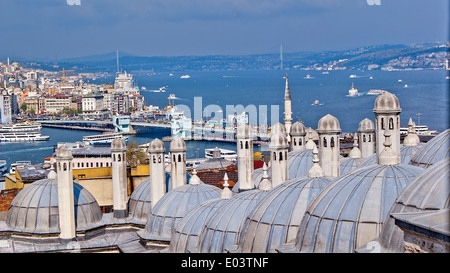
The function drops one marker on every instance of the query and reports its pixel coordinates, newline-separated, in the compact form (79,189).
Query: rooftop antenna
(281,56)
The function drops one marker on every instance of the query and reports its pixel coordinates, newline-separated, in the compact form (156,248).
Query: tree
(32,111)
(23,107)
(135,155)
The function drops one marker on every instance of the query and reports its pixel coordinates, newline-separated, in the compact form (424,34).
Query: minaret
(178,162)
(156,152)
(66,206)
(366,141)
(412,139)
(278,158)
(298,133)
(387,115)
(119,178)
(246,177)
(287,107)
(329,145)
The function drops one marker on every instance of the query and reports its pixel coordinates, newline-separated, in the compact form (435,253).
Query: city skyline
(56,29)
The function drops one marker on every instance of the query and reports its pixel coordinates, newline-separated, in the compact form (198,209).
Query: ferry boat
(353,91)
(103,138)
(3,167)
(22,137)
(316,102)
(375,92)
(224,153)
(20,127)
(420,130)
(185,77)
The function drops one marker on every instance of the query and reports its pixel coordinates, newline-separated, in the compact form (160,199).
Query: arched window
(154,159)
(281,156)
(274,156)
(370,138)
(242,146)
(246,145)
(295,141)
(119,158)
(364,138)
(65,167)
(179,158)
(324,142)
(391,124)
(59,166)
(300,141)
(174,159)
(114,157)
(382,123)
(159,159)
(332,142)
(285,155)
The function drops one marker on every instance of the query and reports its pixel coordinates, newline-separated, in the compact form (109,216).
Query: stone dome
(173,206)
(298,129)
(156,146)
(223,229)
(244,131)
(278,128)
(366,126)
(187,232)
(430,191)
(118,144)
(387,102)
(278,140)
(177,145)
(328,124)
(35,208)
(433,151)
(351,211)
(140,202)
(277,216)
(63,152)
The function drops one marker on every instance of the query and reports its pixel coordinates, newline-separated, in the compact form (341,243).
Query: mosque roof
(118,144)
(328,124)
(223,229)
(298,129)
(387,102)
(366,126)
(433,151)
(351,211)
(35,208)
(173,206)
(276,218)
(428,192)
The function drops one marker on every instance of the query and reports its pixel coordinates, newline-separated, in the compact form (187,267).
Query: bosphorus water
(426,93)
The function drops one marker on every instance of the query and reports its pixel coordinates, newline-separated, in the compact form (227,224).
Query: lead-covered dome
(366,126)
(35,208)
(156,146)
(430,191)
(435,150)
(173,206)
(118,144)
(298,129)
(278,128)
(244,131)
(351,211)
(328,124)
(387,102)
(177,145)
(276,218)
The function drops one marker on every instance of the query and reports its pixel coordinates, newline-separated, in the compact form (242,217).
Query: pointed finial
(195,180)
(52,173)
(310,143)
(355,152)
(388,156)
(412,139)
(226,192)
(266,182)
(316,170)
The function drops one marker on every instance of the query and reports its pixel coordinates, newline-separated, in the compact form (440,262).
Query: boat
(22,137)
(375,92)
(308,77)
(3,166)
(20,127)
(352,76)
(103,138)
(224,153)
(353,92)
(316,102)
(185,77)
(406,85)
(420,130)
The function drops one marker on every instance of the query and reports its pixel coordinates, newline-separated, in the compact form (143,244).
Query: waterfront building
(56,103)
(92,103)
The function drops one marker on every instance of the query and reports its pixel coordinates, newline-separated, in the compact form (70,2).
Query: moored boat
(22,137)
(103,138)
(20,127)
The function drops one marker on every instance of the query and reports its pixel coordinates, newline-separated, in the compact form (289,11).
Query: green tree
(32,111)
(23,107)
(135,155)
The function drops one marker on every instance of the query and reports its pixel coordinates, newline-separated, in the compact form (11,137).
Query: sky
(55,29)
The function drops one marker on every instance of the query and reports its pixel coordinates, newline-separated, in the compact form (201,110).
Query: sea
(423,96)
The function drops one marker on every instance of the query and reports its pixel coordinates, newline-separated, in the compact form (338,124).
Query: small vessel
(3,166)
(20,127)
(316,102)
(353,91)
(308,77)
(375,92)
(352,76)
(420,130)
(406,86)
(399,81)
(224,153)
(185,77)
(22,137)
(103,138)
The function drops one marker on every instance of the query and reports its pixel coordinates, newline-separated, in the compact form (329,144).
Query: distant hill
(424,56)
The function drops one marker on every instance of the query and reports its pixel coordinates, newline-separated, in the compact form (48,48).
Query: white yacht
(20,127)
(185,77)
(103,138)
(22,137)
(224,153)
